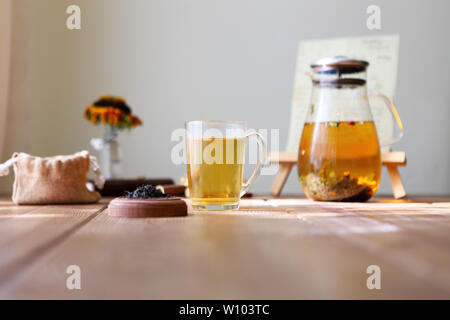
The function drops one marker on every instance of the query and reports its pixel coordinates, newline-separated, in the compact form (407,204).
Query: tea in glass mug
(215,154)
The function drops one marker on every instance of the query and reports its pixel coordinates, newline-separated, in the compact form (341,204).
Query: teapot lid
(341,63)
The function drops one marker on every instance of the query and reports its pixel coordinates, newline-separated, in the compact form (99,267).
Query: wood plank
(396,181)
(283,157)
(394,157)
(311,252)
(415,243)
(27,236)
(9,210)
(280,179)
(445,205)
(397,157)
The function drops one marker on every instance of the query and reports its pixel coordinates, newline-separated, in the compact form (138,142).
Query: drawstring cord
(99,178)
(4,167)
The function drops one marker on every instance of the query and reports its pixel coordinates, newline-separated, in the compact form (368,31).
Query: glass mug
(215,154)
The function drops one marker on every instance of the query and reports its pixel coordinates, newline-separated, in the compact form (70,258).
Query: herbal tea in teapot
(339,154)
(339,161)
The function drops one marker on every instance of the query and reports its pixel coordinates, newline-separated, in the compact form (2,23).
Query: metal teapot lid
(331,72)
(341,63)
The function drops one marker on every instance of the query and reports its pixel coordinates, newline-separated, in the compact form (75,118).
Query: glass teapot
(339,154)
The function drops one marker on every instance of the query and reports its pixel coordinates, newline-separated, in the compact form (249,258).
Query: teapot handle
(395,115)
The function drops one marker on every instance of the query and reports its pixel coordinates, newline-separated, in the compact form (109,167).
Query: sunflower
(112,111)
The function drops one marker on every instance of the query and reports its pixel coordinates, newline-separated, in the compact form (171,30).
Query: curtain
(5,57)
(14,81)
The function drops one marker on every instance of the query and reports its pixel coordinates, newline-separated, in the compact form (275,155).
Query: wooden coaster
(147,208)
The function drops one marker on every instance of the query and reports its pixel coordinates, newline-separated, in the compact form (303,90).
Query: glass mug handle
(395,115)
(261,160)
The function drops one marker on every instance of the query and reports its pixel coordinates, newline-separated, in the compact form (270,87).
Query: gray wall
(201,59)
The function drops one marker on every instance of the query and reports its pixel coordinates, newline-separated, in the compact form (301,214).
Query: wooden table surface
(287,248)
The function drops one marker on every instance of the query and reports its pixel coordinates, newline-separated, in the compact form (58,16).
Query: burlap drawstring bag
(53,180)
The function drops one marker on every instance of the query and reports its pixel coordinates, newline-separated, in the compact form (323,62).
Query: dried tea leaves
(343,188)
(146,192)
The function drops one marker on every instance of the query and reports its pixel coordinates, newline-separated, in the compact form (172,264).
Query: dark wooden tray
(116,187)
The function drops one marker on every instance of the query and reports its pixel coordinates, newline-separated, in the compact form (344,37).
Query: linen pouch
(53,180)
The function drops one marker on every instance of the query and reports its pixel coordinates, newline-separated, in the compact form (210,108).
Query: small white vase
(110,154)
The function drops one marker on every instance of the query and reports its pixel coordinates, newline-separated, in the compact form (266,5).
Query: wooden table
(287,248)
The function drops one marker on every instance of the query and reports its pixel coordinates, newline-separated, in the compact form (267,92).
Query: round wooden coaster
(147,208)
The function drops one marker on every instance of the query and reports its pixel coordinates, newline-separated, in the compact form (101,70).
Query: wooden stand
(287,160)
